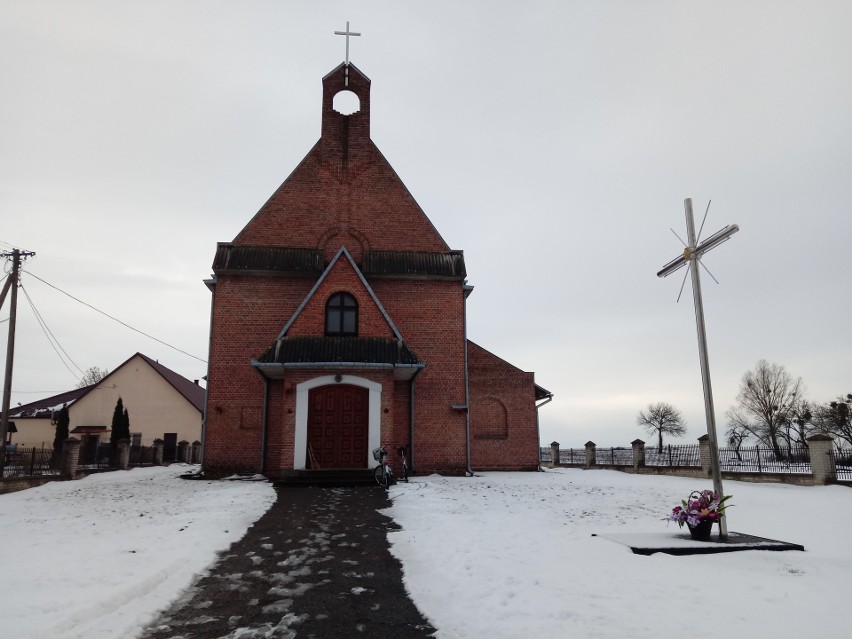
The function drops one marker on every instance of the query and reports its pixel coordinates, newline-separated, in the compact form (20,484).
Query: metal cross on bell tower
(347,33)
(692,258)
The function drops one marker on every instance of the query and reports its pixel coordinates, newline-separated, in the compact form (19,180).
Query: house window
(341,315)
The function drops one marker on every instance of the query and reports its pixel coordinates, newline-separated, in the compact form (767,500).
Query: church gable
(344,192)
(341,304)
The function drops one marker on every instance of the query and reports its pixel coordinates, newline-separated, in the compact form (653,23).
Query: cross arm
(674,265)
(694,254)
(715,240)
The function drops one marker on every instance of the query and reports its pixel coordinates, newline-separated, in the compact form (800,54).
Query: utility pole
(11,284)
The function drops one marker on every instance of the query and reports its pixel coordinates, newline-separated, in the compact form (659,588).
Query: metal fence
(567,456)
(843,462)
(29,462)
(614,456)
(762,459)
(689,455)
(572,456)
(141,455)
(95,458)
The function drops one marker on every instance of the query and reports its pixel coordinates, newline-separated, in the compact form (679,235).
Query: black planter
(702,531)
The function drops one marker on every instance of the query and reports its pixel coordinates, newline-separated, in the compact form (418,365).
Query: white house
(161,404)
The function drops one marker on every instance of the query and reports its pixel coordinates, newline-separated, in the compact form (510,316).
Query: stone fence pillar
(704,453)
(183,451)
(554,454)
(196,452)
(70,457)
(638,453)
(823,465)
(122,457)
(591,453)
(158,452)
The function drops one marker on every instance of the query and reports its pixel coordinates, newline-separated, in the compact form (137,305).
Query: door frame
(374,414)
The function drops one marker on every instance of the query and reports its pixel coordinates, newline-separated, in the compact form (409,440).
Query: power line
(115,319)
(12,247)
(41,392)
(51,338)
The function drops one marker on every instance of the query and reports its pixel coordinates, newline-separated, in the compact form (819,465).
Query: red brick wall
(248,313)
(499,390)
(342,277)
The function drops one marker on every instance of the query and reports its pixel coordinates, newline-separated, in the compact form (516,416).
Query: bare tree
(800,424)
(835,418)
(92,375)
(662,418)
(736,436)
(767,403)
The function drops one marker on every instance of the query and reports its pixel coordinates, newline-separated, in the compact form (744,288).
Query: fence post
(704,454)
(638,453)
(70,457)
(823,466)
(591,456)
(183,451)
(196,452)
(158,453)
(554,454)
(123,454)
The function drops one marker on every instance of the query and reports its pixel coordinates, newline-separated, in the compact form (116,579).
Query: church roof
(542,393)
(338,352)
(415,264)
(255,260)
(266,259)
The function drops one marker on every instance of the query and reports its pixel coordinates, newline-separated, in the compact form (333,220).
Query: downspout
(264,420)
(469,471)
(538,432)
(411,419)
(211,284)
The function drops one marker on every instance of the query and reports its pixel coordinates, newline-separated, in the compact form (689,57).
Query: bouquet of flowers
(700,506)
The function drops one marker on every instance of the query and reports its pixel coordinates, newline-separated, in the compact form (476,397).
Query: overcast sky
(552,141)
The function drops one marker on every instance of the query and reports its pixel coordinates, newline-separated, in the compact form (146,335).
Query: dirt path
(316,564)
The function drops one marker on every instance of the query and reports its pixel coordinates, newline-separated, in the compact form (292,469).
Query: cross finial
(347,33)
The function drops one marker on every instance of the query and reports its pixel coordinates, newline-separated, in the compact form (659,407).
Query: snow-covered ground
(512,555)
(99,557)
(493,556)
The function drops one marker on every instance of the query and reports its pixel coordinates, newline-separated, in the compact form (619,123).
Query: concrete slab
(681,543)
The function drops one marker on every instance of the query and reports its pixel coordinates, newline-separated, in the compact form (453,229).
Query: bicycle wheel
(381,478)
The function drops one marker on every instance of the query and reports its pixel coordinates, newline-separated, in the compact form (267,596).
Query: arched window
(341,315)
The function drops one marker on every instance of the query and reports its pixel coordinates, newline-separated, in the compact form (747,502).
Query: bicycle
(382,472)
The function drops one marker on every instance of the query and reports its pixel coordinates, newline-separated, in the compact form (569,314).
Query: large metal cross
(692,258)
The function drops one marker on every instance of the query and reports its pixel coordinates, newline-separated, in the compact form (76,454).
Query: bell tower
(345,139)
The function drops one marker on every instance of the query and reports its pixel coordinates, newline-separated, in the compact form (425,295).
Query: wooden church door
(338,426)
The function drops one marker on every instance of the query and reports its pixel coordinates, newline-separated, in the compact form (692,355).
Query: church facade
(338,324)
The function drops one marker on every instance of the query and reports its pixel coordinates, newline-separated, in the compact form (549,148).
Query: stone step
(327,478)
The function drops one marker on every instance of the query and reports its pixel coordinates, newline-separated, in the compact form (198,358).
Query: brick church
(338,324)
